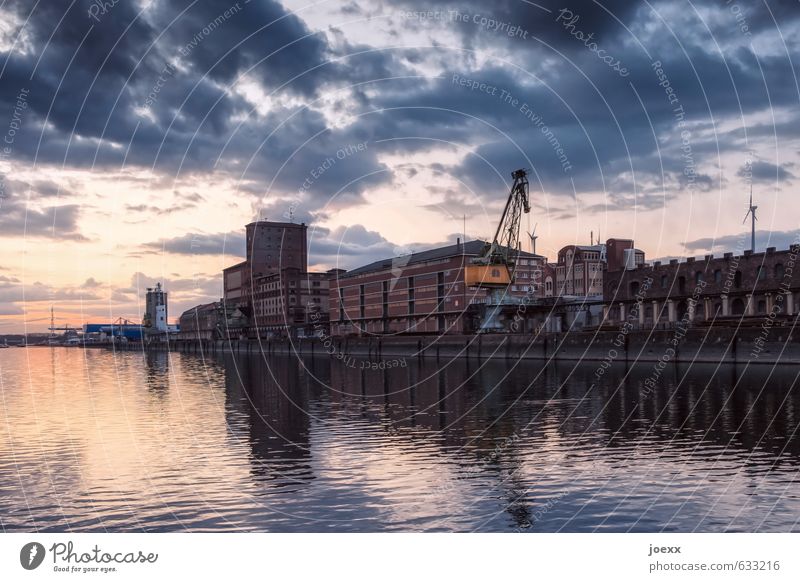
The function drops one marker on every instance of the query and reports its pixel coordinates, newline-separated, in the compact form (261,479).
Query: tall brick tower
(272,246)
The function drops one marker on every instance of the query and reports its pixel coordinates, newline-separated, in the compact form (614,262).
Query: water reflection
(158,441)
(274,399)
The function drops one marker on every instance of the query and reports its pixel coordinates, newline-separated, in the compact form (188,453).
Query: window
(698,277)
(681,285)
(779,271)
(737,279)
(762,273)
(634,288)
(717,276)
(664,281)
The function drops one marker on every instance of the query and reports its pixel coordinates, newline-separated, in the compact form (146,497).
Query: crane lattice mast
(506,238)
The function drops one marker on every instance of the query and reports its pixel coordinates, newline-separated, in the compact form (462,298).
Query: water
(92,440)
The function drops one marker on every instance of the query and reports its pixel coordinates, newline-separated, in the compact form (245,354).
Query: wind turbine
(751,212)
(533,238)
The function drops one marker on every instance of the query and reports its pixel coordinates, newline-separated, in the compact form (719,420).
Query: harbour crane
(494,268)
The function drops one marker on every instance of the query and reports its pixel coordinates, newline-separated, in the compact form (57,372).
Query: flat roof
(274,223)
(469,248)
(235,266)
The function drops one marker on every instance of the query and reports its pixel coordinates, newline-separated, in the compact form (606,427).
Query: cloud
(740,242)
(183,292)
(230,243)
(265,101)
(56,222)
(348,247)
(761,171)
(13,291)
(11,309)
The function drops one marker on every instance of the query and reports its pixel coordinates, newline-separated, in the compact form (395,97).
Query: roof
(243,263)
(470,248)
(276,224)
(204,307)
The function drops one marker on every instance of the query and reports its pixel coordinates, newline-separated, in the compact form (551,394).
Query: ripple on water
(97,441)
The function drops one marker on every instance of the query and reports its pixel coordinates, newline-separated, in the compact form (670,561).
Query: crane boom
(506,237)
(494,267)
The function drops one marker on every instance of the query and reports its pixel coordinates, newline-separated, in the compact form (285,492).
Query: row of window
(761,275)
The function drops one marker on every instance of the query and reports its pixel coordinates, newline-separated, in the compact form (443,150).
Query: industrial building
(425,292)
(212,321)
(291,302)
(579,269)
(269,294)
(271,247)
(155,311)
(121,331)
(737,290)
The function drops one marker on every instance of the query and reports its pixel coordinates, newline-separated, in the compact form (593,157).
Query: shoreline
(706,345)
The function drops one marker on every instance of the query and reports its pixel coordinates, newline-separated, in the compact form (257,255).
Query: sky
(139,137)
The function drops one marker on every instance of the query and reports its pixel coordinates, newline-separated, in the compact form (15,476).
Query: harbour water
(93,440)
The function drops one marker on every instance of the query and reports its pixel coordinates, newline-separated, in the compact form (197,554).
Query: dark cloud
(92,102)
(761,171)
(57,222)
(537,19)
(740,242)
(348,247)
(229,244)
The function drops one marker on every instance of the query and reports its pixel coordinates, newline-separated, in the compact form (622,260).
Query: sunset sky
(140,136)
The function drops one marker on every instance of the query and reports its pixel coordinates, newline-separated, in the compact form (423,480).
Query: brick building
(270,247)
(423,292)
(272,287)
(211,321)
(290,302)
(728,289)
(579,268)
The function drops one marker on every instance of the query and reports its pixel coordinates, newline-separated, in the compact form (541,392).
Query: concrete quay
(708,345)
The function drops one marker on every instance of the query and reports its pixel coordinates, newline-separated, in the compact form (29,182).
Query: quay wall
(708,345)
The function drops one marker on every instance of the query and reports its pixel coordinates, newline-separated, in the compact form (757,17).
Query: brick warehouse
(579,268)
(726,290)
(270,247)
(270,293)
(423,292)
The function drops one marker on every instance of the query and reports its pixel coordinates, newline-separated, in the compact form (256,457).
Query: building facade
(212,321)
(270,247)
(735,290)
(423,293)
(579,268)
(291,302)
